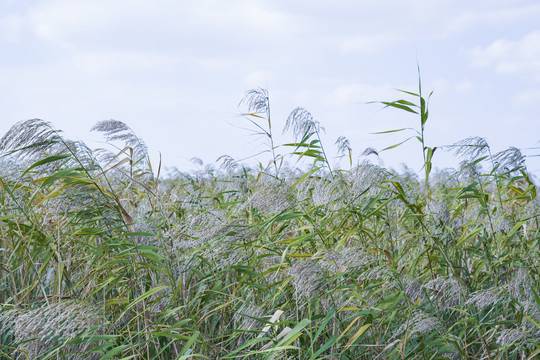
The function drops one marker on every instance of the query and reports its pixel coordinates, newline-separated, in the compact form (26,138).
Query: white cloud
(464,86)
(365,44)
(358,93)
(70,21)
(511,57)
(463,21)
(527,98)
(255,79)
(250,14)
(122,61)
(60,21)
(207,34)
(11,28)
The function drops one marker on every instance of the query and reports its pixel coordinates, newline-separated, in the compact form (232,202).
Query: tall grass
(101,259)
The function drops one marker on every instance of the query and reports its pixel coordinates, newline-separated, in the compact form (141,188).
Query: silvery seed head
(379,273)
(246,317)
(36,132)
(445,291)
(232,185)
(257,100)
(419,323)
(228,164)
(438,210)
(10,170)
(39,329)
(531,321)
(509,337)
(8,319)
(114,130)
(329,192)
(484,298)
(50,277)
(412,289)
(364,180)
(308,277)
(469,171)
(227,248)
(445,178)
(301,122)
(509,159)
(347,260)
(343,145)
(271,196)
(520,286)
(471,148)
(370,151)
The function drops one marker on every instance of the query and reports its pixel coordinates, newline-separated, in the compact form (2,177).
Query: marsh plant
(102,259)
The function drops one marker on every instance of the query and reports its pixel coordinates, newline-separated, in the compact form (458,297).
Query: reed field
(104,258)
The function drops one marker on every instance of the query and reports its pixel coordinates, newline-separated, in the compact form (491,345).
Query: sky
(175,72)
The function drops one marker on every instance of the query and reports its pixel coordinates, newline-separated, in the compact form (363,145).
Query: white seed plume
(484,298)
(446,291)
(308,277)
(349,259)
(419,323)
(38,330)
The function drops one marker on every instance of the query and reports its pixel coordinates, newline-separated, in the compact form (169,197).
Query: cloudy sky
(176,70)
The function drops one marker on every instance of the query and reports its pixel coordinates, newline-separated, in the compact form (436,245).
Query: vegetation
(102,259)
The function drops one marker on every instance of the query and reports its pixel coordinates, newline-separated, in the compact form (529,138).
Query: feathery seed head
(257,100)
(370,151)
(343,145)
(308,277)
(365,177)
(228,164)
(509,337)
(35,135)
(114,130)
(471,148)
(227,248)
(446,291)
(197,161)
(469,171)
(38,330)
(246,317)
(271,197)
(419,324)
(509,159)
(412,288)
(301,122)
(50,277)
(438,210)
(378,274)
(484,298)
(323,192)
(520,286)
(350,260)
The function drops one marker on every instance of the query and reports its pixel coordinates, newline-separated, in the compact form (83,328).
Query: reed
(101,259)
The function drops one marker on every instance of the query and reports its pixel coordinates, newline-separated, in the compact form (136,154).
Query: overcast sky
(176,70)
